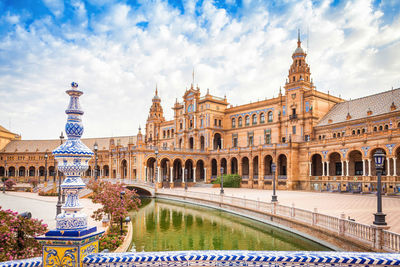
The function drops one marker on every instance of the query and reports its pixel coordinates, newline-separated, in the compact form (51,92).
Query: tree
(17,236)
(109,196)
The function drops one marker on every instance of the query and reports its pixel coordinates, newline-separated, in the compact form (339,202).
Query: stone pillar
(310,168)
(363,161)
(347,168)
(205,174)
(222,143)
(170,175)
(342,168)
(158,174)
(183,174)
(145,173)
(388,166)
(394,166)
(369,167)
(327,168)
(323,168)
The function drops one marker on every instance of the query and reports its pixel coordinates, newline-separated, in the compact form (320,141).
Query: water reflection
(162,225)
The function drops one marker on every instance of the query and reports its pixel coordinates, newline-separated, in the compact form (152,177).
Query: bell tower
(299,72)
(155,118)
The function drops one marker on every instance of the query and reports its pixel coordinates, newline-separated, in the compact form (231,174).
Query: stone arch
(267,165)
(335,163)
(106,171)
(200,174)
(245,167)
(11,171)
(88,171)
(41,171)
(217,141)
(165,170)
(177,171)
(21,171)
(189,174)
(282,165)
(316,165)
(124,169)
(151,169)
(214,168)
(355,162)
(255,167)
(234,165)
(32,171)
(224,164)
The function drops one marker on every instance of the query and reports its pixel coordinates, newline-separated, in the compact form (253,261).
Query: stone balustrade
(369,236)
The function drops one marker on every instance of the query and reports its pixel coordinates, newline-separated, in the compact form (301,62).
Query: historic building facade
(317,140)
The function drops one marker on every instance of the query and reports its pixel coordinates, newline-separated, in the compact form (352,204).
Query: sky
(118,51)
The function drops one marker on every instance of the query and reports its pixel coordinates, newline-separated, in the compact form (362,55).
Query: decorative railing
(368,235)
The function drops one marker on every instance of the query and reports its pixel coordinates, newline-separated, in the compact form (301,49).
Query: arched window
(262,118)
(247,120)
(338,135)
(358,131)
(386,127)
(233,122)
(375,129)
(380,128)
(353,132)
(240,122)
(363,130)
(254,119)
(334,135)
(398,125)
(270,116)
(164,134)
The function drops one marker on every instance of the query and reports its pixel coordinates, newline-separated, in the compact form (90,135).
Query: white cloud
(117,64)
(55,6)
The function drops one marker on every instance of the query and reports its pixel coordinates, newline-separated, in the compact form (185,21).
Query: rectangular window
(307,138)
(283,110)
(294,129)
(267,136)
(283,139)
(250,139)
(234,140)
(338,168)
(201,123)
(358,167)
(215,122)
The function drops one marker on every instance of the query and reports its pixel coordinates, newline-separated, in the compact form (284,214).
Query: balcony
(293,117)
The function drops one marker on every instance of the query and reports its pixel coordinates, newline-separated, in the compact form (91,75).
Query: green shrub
(230,180)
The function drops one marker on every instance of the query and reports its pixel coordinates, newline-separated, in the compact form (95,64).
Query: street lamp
(121,195)
(222,181)
(45,166)
(95,160)
(185,179)
(274,196)
(379,157)
(59,202)
(156,170)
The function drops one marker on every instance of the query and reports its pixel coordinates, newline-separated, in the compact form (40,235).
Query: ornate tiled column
(73,239)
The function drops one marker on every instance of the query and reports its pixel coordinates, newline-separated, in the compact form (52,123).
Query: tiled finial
(73,158)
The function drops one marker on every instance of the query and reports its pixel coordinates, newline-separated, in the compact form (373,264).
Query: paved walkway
(358,207)
(44,208)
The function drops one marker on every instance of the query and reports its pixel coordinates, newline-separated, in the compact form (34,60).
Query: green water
(162,225)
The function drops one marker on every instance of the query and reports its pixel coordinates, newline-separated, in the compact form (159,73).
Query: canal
(162,225)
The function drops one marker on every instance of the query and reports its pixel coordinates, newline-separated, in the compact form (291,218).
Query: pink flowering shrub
(17,236)
(111,241)
(10,183)
(108,195)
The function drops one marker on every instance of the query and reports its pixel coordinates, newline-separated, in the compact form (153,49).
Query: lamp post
(4,179)
(59,202)
(186,177)
(121,195)
(45,166)
(156,170)
(222,181)
(95,160)
(379,157)
(274,196)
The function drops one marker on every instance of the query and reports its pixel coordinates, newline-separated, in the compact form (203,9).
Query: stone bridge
(142,188)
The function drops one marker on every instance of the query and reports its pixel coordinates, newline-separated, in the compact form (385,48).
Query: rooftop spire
(156,90)
(298,38)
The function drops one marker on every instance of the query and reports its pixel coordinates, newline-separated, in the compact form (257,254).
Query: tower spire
(298,38)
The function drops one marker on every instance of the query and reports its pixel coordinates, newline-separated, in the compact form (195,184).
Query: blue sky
(119,50)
